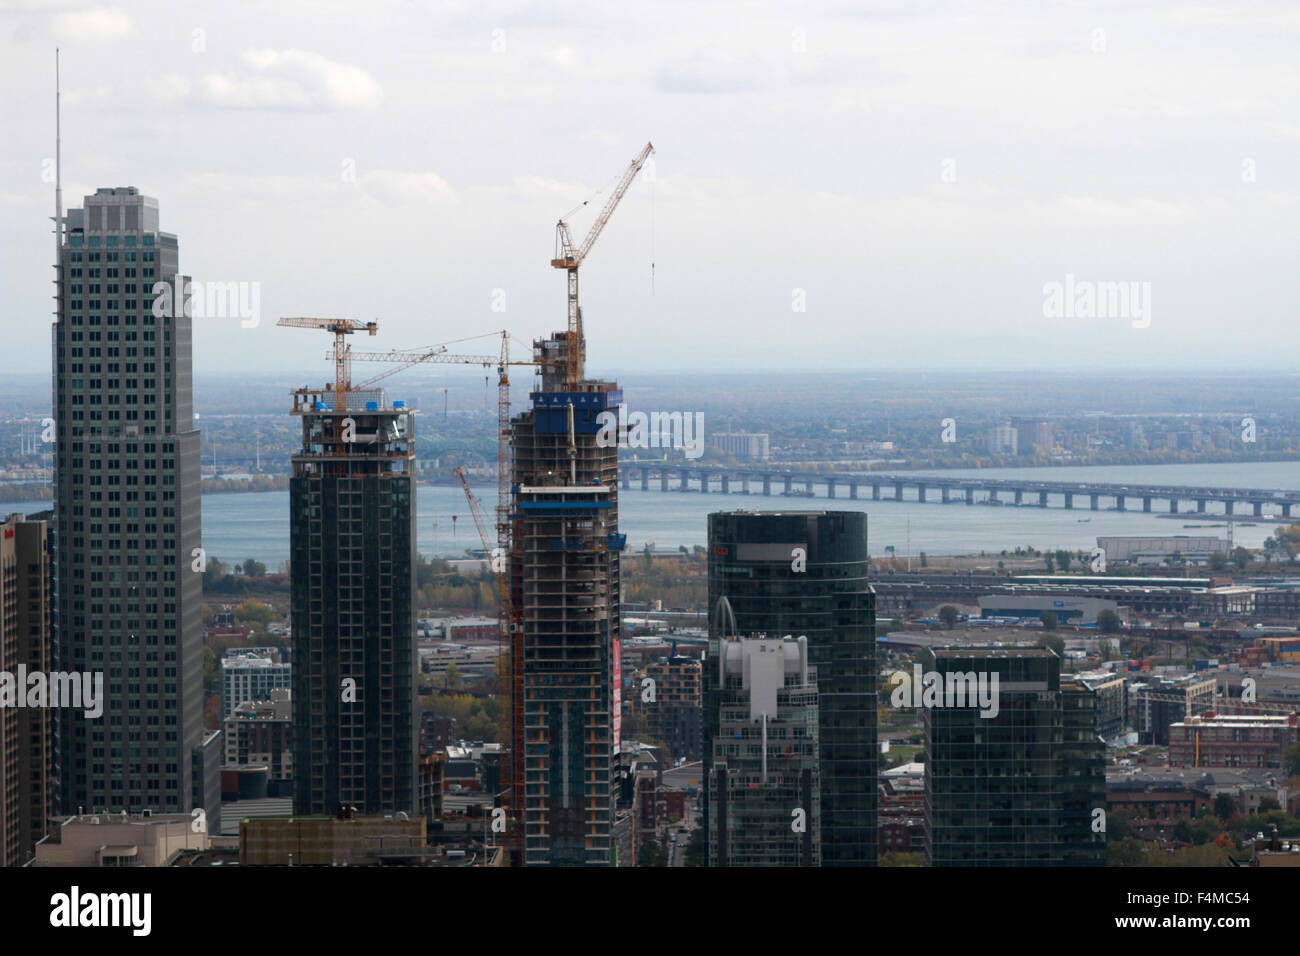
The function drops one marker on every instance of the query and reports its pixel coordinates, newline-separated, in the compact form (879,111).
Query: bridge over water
(938,488)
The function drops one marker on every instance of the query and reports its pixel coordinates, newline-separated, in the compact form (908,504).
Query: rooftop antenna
(58,182)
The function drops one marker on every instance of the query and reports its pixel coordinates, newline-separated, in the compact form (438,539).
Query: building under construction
(564,576)
(352,529)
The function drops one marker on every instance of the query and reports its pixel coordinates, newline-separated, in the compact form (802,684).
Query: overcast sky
(913,174)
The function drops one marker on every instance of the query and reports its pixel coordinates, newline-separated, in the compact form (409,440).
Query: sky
(841,185)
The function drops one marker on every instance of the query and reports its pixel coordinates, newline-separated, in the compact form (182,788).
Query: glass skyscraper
(127,513)
(804,573)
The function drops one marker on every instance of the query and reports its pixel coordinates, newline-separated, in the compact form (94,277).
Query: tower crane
(569,259)
(342,352)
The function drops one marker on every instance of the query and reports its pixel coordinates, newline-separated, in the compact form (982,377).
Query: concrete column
(898,491)
(1146,503)
(1228,506)
(626,479)
(993,496)
(875,492)
(830,487)
(1173,506)
(789,484)
(1259,508)
(970,496)
(645,479)
(1094,503)
(704,482)
(1119,503)
(663,479)
(726,484)
(853,490)
(1020,496)
(1069,501)
(920,493)
(1286,510)
(1042,499)
(943,494)
(1200,506)
(686,480)
(767,485)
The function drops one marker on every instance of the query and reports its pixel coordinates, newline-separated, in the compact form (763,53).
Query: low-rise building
(120,839)
(1232,740)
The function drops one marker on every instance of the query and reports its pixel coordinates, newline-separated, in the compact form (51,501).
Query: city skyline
(1013,208)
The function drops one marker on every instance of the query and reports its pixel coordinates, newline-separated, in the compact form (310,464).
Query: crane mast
(570,259)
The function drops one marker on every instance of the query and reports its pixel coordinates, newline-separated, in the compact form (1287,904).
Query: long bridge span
(940,489)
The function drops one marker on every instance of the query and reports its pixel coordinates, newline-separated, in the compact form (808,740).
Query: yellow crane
(342,352)
(570,258)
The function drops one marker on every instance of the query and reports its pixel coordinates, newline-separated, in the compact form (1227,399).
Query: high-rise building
(1017,783)
(804,573)
(352,572)
(675,715)
(26,740)
(564,570)
(126,500)
(1164,700)
(763,778)
(250,677)
(1003,439)
(745,445)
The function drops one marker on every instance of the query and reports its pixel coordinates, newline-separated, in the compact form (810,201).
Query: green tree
(651,853)
(1108,621)
(1054,641)
(1218,561)
(1050,560)
(948,615)
(1125,852)
(452,676)
(1050,620)
(254,569)
(1291,760)
(1241,557)
(1183,831)
(697,851)
(213,571)
(1063,560)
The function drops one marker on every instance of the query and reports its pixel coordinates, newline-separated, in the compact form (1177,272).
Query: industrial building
(804,573)
(1251,741)
(352,568)
(1154,550)
(126,498)
(26,733)
(1017,788)
(1068,609)
(764,804)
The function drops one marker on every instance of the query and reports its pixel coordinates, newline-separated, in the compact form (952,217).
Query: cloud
(100,25)
(292,80)
(709,73)
(396,187)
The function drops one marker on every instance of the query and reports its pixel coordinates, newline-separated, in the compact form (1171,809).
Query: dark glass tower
(564,570)
(352,534)
(127,510)
(805,573)
(1017,788)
